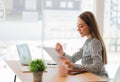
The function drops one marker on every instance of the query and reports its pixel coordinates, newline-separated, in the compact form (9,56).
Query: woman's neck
(89,36)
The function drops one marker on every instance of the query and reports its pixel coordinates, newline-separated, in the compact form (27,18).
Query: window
(112,34)
(60,23)
(40,23)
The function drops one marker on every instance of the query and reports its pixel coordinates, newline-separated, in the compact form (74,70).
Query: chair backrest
(117,75)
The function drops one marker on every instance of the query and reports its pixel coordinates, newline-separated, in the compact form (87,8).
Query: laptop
(53,54)
(24,54)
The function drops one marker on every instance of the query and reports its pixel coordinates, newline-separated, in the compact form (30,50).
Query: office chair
(117,75)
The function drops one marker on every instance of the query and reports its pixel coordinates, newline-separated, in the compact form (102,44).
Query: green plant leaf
(37,65)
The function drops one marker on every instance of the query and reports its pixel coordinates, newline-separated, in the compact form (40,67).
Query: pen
(51,64)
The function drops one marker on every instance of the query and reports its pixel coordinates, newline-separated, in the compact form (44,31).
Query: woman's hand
(67,64)
(59,49)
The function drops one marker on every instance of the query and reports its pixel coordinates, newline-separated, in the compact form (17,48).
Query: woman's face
(83,28)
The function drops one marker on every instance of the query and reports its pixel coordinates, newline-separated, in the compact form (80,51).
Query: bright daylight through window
(45,22)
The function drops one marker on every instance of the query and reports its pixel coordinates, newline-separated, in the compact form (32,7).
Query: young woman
(92,54)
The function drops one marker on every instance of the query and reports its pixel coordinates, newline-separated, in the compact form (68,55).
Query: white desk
(52,76)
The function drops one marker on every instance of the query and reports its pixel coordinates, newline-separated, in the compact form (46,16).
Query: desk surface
(52,76)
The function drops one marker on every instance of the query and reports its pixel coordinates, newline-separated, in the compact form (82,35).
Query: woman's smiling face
(83,28)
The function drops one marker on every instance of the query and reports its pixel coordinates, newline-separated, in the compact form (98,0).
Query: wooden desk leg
(15,78)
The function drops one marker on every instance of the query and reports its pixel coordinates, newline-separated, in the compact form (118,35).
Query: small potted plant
(37,66)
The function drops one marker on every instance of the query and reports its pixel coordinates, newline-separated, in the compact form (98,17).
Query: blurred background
(44,22)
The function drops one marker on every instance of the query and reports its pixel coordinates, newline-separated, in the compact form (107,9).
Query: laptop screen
(24,54)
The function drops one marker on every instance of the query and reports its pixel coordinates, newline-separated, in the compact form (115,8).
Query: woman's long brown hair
(89,18)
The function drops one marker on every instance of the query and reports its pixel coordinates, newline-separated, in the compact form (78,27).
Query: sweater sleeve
(76,56)
(96,56)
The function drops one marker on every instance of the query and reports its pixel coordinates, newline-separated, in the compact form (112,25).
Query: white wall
(8,5)
(100,14)
(20,30)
